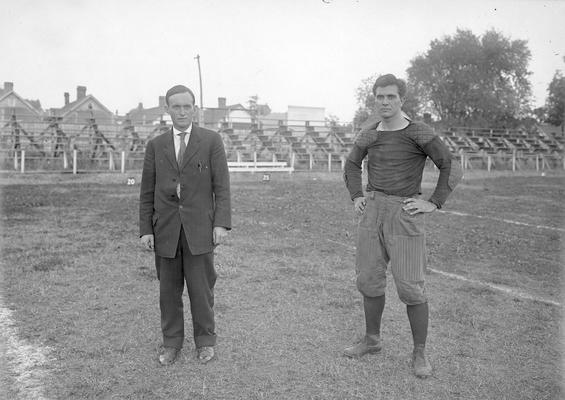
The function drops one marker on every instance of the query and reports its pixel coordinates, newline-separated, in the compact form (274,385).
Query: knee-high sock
(374,307)
(418,317)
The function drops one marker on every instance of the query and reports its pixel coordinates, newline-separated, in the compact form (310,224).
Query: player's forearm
(352,178)
(450,175)
(449,170)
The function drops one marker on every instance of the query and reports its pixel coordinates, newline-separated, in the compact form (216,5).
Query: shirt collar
(189,130)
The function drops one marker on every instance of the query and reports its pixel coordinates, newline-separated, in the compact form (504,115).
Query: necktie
(180,154)
(182,148)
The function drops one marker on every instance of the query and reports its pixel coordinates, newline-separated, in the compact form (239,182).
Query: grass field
(80,316)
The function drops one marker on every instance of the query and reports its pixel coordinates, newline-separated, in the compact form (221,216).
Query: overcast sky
(288,52)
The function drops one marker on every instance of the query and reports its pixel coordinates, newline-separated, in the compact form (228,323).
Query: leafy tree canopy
(555,103)
(465,79)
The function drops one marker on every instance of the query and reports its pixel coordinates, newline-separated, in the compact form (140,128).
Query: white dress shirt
(176,138)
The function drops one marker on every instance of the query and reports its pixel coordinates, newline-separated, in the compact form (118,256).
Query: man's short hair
(179,89)
(388,80)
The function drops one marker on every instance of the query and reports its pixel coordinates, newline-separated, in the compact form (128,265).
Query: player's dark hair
(388,80)
(179,89)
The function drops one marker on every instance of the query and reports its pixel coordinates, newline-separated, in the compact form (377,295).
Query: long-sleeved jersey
(396,161)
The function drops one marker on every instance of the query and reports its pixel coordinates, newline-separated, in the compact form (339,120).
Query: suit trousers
(200,276)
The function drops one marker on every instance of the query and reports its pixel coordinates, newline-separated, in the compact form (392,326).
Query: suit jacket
(204,196)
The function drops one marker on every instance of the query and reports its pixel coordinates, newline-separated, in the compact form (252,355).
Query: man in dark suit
(184,213)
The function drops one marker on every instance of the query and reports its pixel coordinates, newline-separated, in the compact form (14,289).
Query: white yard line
(504,289)
(25,362)
(508,221)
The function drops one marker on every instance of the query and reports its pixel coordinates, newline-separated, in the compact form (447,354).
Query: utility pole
(201,111)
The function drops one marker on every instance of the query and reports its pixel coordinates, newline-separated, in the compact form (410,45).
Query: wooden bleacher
(330,141)
(494,141)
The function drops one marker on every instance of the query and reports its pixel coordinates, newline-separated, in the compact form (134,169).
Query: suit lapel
(169,149)
(192,147)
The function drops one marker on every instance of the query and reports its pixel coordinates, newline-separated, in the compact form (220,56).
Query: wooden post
(292,161)
(311,161)
(238,156)
(16,160)
(514,161)
(489,162)
(330,162)
(74,162)
(123,163)
(544,163)
(254,162)
(111,160)
(23,162)
(65,160)
(342,162)
(537,162)
(462,161)
(274,157)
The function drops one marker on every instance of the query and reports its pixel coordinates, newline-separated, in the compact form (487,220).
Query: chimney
(81,92)
(222,102)
(140,106)
(66,98)
(162,103)
(8,86)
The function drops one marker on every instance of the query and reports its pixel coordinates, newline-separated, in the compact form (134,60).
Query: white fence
(76,161)
(514,161)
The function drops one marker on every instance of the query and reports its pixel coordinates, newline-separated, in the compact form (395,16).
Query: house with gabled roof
(236,116)
(82,109)
(149,116)
(12,104)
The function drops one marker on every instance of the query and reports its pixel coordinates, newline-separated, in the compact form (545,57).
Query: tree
(252,107)
(365,100)
(540,114)
(255,109)
(469,80)
(332,120)
(555,102)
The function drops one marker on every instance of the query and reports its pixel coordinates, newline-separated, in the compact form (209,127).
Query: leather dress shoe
(169,356)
